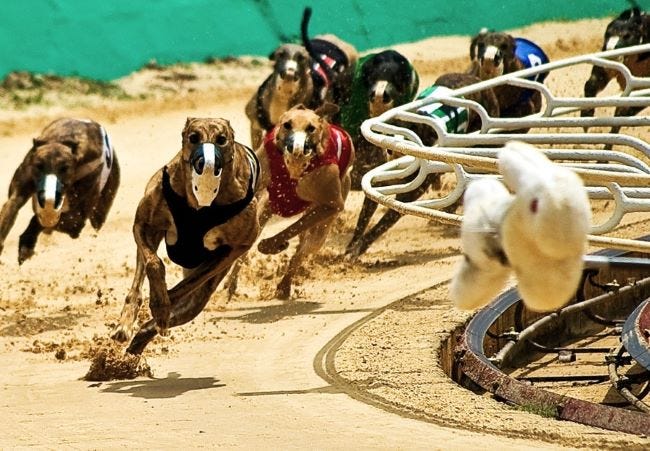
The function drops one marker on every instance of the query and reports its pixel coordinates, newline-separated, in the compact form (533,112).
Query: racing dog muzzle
(48,200)
(207,165)
(297,152)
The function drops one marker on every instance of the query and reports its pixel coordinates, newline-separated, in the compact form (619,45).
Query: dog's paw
(24,253)
(272,246)
(352,252)
(122,334)
(162,331)
(283,291)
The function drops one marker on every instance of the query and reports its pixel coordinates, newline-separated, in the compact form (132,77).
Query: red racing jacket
(282,189)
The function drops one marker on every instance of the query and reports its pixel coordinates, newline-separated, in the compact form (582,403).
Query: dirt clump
(108,362)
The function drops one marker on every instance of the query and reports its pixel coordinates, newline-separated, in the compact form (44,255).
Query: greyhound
(72,175)
(306,161)
(494,54)
(457,120)
(204,204)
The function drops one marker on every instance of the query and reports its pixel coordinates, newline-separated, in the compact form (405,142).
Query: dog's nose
(298,144)
(290,71)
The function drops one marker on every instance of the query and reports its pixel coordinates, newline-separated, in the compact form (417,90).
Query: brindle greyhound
(631,27)
(306,162)
(204,204)
(311,75)
(494,54)
(461,121)
(72,174)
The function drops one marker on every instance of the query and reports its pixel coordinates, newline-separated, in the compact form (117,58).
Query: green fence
(110,38)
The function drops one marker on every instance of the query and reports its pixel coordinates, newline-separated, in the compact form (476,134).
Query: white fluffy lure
(540,231)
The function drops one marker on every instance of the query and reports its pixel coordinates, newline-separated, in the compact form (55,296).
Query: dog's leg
(9,213)
(389,219)
(596,83)
(311,218)
(367,210)
(233,277)
(189,296)
(147,241)
(310,242)
(124,329)
(105,201)
(27,240)
(622,111)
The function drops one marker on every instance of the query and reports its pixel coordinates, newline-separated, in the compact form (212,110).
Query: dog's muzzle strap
(48,201)
(206,163)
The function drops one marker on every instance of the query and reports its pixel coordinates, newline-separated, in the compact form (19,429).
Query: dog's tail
(306,42)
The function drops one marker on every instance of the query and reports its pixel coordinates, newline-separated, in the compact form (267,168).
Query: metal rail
(621,175)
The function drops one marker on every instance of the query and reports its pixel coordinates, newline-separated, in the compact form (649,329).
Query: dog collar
(207,164)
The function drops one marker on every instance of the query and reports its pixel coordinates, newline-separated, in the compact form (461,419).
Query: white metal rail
(621,175)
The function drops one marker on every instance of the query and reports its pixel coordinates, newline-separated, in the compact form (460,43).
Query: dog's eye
(194,138)
(310,128)
(65,168)
(287,125)
(221,140)
(40,167)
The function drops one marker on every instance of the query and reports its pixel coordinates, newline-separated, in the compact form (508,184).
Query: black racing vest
(192,224)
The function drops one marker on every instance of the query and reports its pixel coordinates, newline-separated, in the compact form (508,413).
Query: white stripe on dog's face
(48,210)
(490,52)
(491,62)
(377,104)
(612,43)
(379,88)
(206,180)
(291,65)
(299,140)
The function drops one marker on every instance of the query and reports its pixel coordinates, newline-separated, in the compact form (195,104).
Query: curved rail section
(512,335)
(621,175)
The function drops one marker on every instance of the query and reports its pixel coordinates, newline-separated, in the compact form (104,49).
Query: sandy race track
(350,362)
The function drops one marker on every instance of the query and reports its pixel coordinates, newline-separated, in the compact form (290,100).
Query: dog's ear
(272,55)
(188,121)
(229,133)
(474,43)
(327,110)
(38,142)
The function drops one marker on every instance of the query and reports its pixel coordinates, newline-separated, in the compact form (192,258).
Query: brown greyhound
(494,54)
(306,161)
(72,174)
(204,204)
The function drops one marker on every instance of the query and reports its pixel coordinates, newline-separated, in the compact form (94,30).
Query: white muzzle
(48,201)
(207,164)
